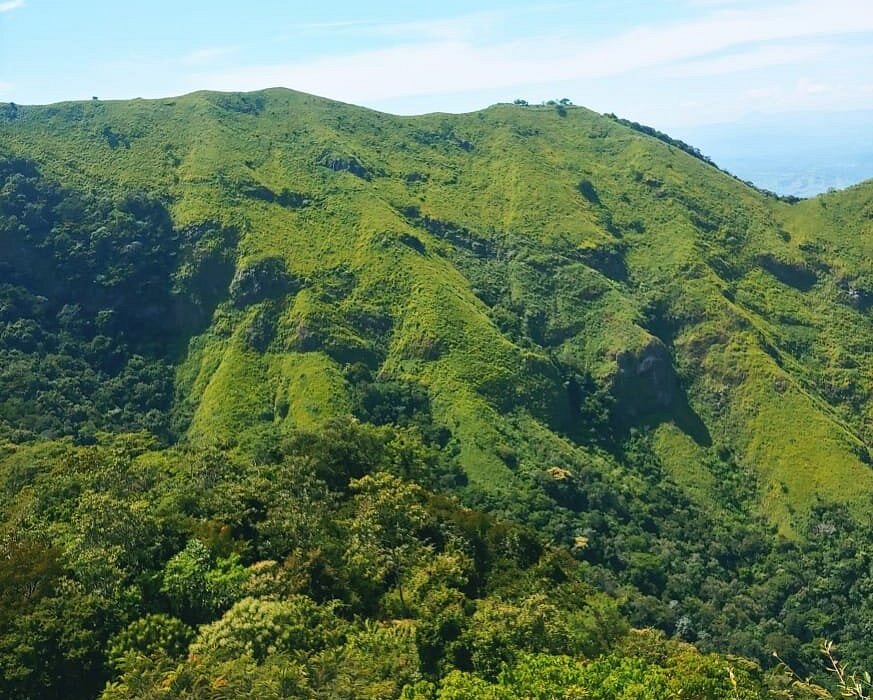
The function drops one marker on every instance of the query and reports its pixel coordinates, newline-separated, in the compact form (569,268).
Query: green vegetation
(129,572)
(262,352)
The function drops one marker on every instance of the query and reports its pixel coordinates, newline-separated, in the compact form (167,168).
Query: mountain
(590,329)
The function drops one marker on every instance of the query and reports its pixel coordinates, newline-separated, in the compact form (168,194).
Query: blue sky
(668,63)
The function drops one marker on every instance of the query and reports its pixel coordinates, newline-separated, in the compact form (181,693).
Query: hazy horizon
(704,68)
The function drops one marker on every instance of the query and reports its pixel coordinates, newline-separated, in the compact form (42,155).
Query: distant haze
(800,154)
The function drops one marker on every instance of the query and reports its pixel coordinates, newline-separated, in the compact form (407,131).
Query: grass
(563,243)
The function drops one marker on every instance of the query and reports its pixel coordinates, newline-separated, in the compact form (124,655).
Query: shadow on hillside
(679,412)
(687,420)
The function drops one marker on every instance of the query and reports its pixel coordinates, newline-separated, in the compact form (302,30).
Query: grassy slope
(750,298)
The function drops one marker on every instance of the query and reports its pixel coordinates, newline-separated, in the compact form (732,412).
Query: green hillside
(593,331)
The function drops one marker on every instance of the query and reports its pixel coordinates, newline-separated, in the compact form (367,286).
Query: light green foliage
(377,661)
(384,532)
(261,628)
(153,636)
(547,677)
(709,676)
(499,630)
(111,540)
(200,585)
(537,677)
(572,322)
(478,593)
(440,572)
(503,260)
(201,679)
(541,676)
(625,678)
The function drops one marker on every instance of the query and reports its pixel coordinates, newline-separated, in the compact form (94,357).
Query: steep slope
(566,322)
(550,278)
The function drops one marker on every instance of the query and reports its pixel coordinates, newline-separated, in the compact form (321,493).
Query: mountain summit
(593,325)
(543,276)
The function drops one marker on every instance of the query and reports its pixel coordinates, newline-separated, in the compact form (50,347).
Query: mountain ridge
(544,313)
(206,184)
(10,107)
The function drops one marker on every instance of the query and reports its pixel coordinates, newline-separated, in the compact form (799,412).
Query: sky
(668,63)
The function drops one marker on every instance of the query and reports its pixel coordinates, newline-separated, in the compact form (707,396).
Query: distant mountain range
(801,154)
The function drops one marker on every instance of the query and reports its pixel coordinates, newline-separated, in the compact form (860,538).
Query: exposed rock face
(645,382)
(342,163)
(265,279)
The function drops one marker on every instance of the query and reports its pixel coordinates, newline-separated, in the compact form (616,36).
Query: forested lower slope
(566,321)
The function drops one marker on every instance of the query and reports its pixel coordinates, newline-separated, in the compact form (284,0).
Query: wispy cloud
(207,55)
(471,26)
(753,59)
(11,5)
(447,61)
(722,3)
(427,30)
(327,26)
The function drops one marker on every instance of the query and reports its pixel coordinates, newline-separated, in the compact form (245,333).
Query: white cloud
(721,3)
(204,56)
(802,94)
(806,86)
(754,59)
(472,26)
(11,5)
(455,64)
(450,29)
(5,88)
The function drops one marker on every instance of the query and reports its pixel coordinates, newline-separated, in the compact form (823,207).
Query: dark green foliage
(286,198)
(444,134)
(386,402)
(457,235)
(481,594)
(114,139)
(58,646)
(198,586)
(264,279)
(340,163)
(399,403)
(602,344)
(239,102)
(587,190)
(9,110)
(293,200)
(96,294)
(661,136)
(477,587)
(793,275)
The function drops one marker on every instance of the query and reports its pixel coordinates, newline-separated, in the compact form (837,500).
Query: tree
(154,636)
(260,628)
(500,629)
(388,515)
(199,586)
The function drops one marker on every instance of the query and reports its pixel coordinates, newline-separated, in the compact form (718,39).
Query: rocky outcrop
(645,382)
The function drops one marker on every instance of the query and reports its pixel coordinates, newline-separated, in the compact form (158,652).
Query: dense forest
(299,400)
